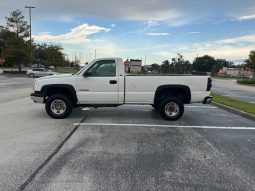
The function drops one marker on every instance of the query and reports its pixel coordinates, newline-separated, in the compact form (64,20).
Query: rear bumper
(37,97)
(208,99)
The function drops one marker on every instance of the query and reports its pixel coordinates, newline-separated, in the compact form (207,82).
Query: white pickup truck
(103,83)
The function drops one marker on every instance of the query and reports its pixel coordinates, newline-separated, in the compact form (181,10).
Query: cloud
(232,49)
(247,17)
(242,39)
(187,33)
(113,25)
(151,23)
(76,35)
(158,34)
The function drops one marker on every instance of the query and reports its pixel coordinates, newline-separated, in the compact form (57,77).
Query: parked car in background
(39,72)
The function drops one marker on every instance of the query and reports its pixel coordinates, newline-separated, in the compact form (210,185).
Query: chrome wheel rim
(172,109)
(58,107)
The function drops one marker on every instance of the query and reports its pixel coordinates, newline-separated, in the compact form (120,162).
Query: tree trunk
(19,67)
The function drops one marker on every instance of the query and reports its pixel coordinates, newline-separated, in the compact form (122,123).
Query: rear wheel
(171,109)
(58,106)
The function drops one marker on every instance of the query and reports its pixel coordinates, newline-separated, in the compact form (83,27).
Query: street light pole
(30,27)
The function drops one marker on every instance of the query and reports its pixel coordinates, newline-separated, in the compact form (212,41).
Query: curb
(235,111)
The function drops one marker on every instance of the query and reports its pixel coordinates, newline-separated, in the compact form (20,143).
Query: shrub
(246,81)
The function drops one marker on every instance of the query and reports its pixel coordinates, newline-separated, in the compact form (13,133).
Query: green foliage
(210,64)
(15,48)
(250,62)
(177,66)
(155,68)
(49,55)
(66,70)
(241,105)
(17,24)
(246,81)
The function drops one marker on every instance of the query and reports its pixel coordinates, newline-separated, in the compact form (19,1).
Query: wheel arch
(181,92)
(65,89)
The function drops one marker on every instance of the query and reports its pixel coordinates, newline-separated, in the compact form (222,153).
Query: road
(231,89)
(124,148)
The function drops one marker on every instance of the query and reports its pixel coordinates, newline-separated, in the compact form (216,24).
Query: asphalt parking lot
(124,148)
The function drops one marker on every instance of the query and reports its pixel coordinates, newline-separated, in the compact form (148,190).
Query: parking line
(200,106)
(188,106)
(168,126)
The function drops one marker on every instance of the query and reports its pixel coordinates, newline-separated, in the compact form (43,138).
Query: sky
(151,30)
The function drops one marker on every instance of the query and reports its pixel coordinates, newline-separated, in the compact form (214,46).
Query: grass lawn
(246,81)
(66,70)
(237,104)
(224,78)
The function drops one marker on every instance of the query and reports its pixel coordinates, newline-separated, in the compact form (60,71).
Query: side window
(103,68)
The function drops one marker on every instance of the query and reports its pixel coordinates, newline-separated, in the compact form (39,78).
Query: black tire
(171,109)
(58,102)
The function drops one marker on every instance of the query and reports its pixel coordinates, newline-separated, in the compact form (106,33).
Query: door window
(103,68)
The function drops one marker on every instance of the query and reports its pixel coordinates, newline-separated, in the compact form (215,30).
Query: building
(133,65)
(238,72)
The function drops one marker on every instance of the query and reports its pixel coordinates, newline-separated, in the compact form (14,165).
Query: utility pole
(30,33)
(95,53)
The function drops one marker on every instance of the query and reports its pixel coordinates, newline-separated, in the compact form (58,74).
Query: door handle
(113,82)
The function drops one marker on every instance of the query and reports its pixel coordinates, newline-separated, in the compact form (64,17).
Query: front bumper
(37,97)
(208,99)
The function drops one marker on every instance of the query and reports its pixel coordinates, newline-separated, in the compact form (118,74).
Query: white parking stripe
(188,106)
(199,106)
(85,109)
(168,126)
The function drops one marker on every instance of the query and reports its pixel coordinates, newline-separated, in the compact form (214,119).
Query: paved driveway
(231,89)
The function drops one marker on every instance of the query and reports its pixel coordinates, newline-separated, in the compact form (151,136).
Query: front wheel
(171,109)
(58,106)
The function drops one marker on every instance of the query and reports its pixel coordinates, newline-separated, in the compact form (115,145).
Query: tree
(2,46)
(155,68)
(251,61)
(204,64)
(180,66)
(49,55)
(165,67)
(14,35)
(17,24)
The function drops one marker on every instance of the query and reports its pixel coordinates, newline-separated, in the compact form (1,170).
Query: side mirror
(86,74)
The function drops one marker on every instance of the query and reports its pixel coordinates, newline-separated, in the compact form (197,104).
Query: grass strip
(246,81)
(224,78)
(234,103)
(66,70)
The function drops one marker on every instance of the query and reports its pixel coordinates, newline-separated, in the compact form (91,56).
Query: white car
(103,83)
(39,72)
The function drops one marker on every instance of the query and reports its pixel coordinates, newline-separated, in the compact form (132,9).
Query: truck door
(99,84)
